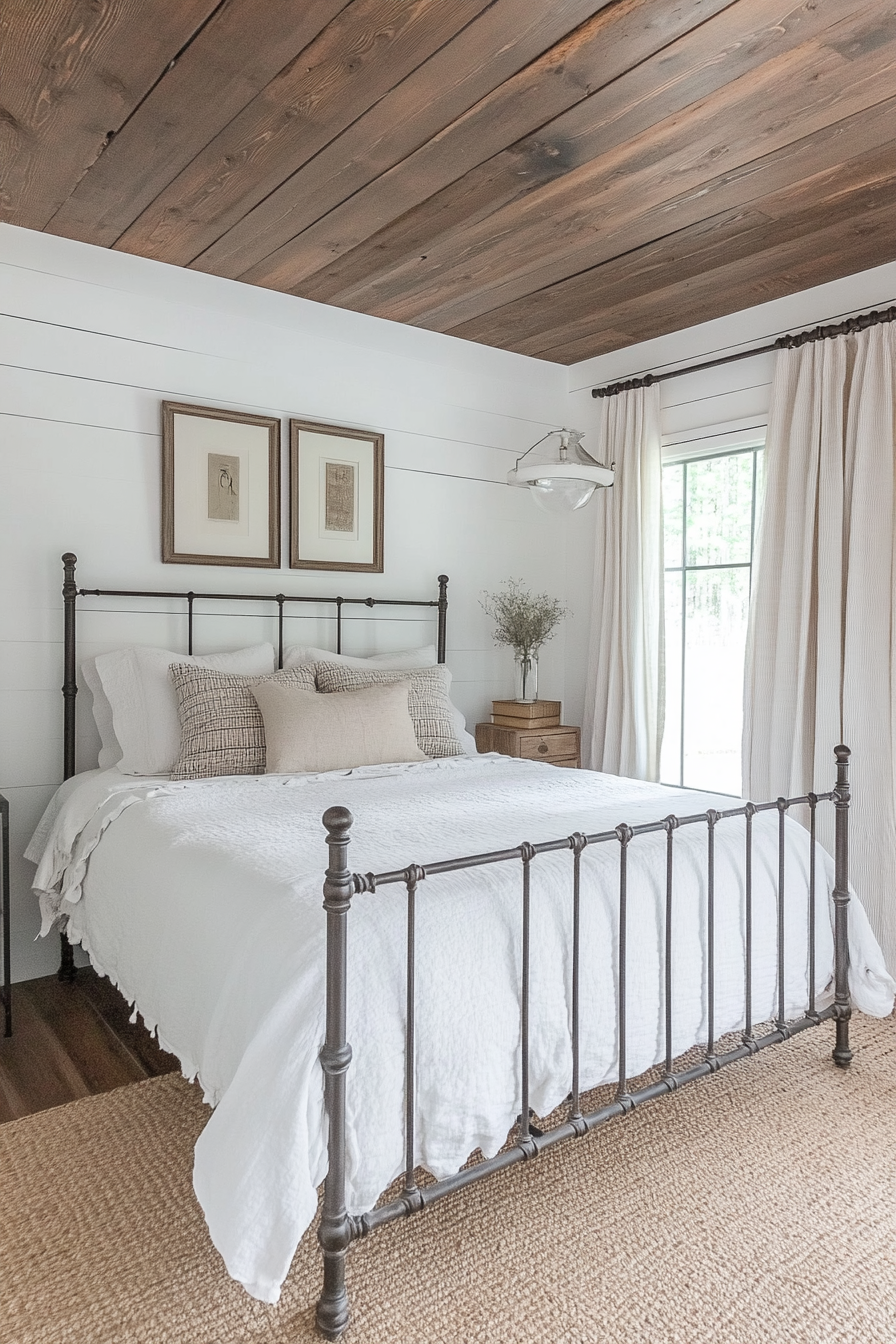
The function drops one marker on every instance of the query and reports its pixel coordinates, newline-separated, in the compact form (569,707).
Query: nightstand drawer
(549,746)
(557,745)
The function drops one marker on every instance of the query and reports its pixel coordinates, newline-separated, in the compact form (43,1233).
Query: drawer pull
(543,748)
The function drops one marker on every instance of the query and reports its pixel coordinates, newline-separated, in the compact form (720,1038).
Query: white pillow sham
(143,703)
(110,751)
(298,654)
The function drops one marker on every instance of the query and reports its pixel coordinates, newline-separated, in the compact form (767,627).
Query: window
(709,516)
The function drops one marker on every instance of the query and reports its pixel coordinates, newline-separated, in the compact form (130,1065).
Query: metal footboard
(337,1228)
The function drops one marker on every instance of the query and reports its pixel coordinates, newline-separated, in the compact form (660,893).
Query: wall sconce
(563,476)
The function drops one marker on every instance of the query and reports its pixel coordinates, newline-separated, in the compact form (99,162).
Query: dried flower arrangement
(523,620)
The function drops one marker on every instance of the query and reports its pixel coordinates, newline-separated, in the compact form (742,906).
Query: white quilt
(202,902)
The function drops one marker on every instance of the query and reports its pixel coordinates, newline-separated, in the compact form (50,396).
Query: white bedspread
(202,902)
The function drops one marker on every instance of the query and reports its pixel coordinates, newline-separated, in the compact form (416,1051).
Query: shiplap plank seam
(537,426)
(389,466)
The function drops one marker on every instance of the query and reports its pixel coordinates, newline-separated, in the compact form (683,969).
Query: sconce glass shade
(560,478)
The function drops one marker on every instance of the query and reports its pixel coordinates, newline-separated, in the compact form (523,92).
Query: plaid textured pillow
(221,728)
(428,702)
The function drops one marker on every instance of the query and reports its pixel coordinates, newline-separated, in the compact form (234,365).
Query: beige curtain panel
(821,662)
(624,700)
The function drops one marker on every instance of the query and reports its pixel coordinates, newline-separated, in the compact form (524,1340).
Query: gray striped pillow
(428,702)
(221,728)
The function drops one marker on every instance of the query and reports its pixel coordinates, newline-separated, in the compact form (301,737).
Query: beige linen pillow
(221,728)
(430,708)
(309,732)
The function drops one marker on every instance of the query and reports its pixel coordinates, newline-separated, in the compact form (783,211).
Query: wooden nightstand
(557,745)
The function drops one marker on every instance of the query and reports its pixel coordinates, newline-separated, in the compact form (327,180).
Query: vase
(526,677)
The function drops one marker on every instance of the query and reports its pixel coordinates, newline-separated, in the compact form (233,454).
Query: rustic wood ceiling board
(549,234)
(239,51)
(367,49)
(756,181)
(672,70)
(492,49)
(573,215)
(574,305)
(636,120)
(829,254)
(633,275)
(72,73)
(851,192)
(597,52)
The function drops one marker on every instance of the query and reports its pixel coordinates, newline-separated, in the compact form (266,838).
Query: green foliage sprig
(523,620)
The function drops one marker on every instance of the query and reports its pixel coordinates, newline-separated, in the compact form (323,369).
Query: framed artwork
(220,487)
(335,497)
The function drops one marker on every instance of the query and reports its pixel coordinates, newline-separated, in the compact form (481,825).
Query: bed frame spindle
(414,875)
(842,1006)
(711,818)
(670,825)
(578,843)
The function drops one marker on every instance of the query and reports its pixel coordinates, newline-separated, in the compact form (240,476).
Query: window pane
(715,638)
(670,761)
(673,478)
(719,510)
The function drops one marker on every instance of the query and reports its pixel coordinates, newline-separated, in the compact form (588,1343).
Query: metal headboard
(71,592)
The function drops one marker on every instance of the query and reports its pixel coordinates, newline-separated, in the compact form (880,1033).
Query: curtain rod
(788,342)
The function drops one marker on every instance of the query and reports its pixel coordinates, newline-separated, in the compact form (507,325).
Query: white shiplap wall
(91,341)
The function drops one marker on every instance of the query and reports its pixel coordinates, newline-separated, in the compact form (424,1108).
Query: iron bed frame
(338,1229)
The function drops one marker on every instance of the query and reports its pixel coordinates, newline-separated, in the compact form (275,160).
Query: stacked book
(527,715)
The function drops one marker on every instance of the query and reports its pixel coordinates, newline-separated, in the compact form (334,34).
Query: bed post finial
(69,691)
(842,1053)
(69,682)
(443,615)
(335,1232)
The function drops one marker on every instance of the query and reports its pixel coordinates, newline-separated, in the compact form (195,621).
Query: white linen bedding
(202,902)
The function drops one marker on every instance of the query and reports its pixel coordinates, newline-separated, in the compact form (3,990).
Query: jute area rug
(758,1205)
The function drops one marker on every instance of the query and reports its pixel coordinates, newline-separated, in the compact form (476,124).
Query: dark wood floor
(70,1041)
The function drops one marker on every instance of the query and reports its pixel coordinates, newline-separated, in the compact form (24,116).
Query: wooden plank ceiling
(557,179)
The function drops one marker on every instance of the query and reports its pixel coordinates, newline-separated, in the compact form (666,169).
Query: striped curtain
(821,649)
(625,696)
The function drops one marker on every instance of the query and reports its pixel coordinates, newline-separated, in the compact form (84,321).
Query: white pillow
(298,654)
(307,732)
(110,751)
(144,704)
(467,740)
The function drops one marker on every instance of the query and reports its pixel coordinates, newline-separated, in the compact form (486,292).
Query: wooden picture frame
(336,479)
(220,487)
